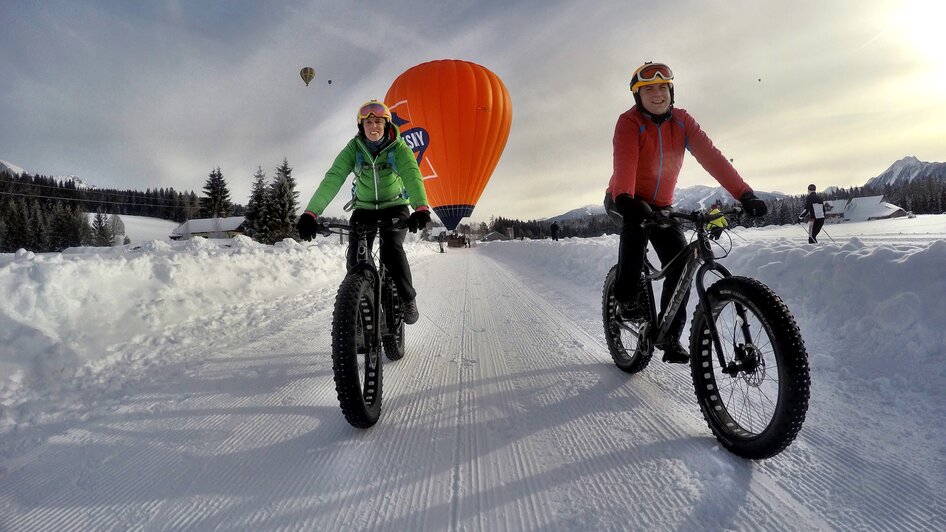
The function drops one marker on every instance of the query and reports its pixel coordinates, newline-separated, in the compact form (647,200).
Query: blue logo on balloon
(417,138)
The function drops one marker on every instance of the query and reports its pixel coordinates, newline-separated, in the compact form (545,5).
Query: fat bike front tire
(757,406)
(356,353)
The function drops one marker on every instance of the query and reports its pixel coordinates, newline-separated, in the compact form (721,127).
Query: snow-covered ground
(187,385)
(140,229)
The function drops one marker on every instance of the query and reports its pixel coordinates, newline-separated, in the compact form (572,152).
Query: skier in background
(814,210)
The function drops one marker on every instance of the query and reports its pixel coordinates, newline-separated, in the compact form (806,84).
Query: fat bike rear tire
(628,342)
(356,353)
(757,408)
(393,339)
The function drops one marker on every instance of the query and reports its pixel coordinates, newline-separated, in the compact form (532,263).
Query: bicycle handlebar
(392,223)
(700,218)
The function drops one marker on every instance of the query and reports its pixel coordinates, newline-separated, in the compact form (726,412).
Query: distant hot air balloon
(455,116)
(307,74)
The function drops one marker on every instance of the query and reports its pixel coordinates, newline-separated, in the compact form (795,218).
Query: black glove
(752,205)
(309,226)
(418,220)
(634,210)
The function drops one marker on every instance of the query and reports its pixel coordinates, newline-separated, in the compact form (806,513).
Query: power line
(104,202)
(93,191)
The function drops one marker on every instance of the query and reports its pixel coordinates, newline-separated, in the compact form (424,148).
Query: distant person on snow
(554,230)
(649,142)
(716,227)
(814,211)
(387,180)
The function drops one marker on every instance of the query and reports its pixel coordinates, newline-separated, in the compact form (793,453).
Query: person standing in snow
(649,142)
(554,230)
(387,180)
(814,210)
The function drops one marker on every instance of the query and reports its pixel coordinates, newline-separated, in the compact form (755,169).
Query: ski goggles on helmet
(651,74)
(374,108)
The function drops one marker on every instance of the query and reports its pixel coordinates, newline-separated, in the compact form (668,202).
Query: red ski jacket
(648,157)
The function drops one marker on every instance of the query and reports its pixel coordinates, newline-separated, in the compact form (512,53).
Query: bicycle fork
(734,367)
(365,266)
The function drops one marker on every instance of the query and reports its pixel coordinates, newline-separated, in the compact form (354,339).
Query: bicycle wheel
(356,355)
(393,339)
(756,404)
(628,341)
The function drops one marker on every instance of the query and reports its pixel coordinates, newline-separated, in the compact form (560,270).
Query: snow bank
(72,314)
(873,312)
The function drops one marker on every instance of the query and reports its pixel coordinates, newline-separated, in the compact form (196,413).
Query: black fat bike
(368,318)
(747,357)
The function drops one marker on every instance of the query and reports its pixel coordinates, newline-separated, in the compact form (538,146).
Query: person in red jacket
(649,143)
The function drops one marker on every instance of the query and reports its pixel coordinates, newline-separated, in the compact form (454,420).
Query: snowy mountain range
(700,196)
(906,170)
(10,168)
(686,199)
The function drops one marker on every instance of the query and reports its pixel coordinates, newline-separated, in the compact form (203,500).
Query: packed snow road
(505,414)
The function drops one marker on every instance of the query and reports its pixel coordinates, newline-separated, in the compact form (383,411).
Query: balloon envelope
(455,116)
(307,74)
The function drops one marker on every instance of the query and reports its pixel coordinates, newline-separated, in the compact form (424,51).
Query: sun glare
(922,24)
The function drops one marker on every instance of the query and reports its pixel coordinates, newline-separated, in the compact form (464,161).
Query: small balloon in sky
(307,74)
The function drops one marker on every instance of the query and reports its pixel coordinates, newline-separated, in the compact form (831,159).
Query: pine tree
(17,227)
(6,211)
(280,206)
(101,232)
(39,227)
(82,229)
(59,227)
(216,203)
(254,208)
(190,207)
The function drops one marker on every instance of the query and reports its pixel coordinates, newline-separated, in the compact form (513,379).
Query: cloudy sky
(157,94)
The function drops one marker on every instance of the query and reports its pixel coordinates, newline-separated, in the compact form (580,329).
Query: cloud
(157,94)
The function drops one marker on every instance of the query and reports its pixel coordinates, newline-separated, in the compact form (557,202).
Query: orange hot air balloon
(456,116)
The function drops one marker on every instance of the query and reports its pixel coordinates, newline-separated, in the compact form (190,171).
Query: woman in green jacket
(387,180)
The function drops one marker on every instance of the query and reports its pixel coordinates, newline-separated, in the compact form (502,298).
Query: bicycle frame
(698,259)
(365,263)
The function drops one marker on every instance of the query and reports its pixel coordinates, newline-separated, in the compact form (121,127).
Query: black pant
(816,225)
(668,242)
(391,247)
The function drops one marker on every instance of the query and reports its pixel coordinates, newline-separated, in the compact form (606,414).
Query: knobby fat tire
(354,317)
(393,342)
(630,359)
(790,356)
